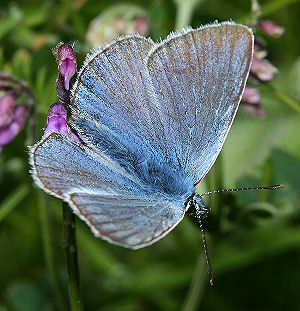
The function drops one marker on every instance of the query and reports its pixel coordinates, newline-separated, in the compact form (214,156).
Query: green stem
(48,250)
(70,246)
(184,12)
(286,99)
(13,199)
(269,8)
(197,287)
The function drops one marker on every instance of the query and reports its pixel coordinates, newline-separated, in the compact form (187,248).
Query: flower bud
(251,102)
(67,65)
(254,110)
(262,69)
(57,122)
(271,29)
(251,95)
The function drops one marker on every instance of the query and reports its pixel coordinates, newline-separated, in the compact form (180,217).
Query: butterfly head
(195,206)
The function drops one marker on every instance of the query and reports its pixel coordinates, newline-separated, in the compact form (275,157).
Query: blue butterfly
(153,118)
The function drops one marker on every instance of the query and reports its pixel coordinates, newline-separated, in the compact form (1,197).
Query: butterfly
(153,118)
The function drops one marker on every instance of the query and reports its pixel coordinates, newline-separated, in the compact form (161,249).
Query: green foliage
(253,237)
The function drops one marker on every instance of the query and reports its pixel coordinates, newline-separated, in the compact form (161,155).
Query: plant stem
(48,249)
(197,287)
(286,99)
(69,225)
(269,8)
(12,200)
(184,12)
(69,220)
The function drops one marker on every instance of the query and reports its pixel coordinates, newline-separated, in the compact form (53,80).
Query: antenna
(210,273)
(202,212)
(242,189)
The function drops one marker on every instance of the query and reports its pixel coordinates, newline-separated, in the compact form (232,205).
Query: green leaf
(13,199)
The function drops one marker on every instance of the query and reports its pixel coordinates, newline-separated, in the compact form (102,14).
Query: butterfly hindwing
(60,164)
(127,220)
(112,202)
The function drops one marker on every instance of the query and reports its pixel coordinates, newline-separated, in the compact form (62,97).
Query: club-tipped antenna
(210,273)
(247,188)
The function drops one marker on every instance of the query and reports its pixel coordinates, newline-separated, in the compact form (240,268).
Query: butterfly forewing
(110,94)
(197,79)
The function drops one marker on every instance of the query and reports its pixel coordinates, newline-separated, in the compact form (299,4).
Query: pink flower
(262,69)
(7,105)
(254,109)
(9,132)
(57,122)
(251,95)
(271,29)
(66,63)
(251,102)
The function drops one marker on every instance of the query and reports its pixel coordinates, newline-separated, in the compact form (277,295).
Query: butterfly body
(153,119)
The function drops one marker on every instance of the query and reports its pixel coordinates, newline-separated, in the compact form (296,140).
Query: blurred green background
(253,237)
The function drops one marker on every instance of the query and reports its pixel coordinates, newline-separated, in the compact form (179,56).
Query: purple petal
(57,110)
(7,104)
(65,52)
(57,122)
(20,114)
(67,69)
(62,93)
(251,95)
(8,133)
(142,25)
(271,29)
(262,69)
(66,63)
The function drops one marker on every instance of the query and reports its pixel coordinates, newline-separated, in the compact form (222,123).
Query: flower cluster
(12,116)
(57,114)
(261,70)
